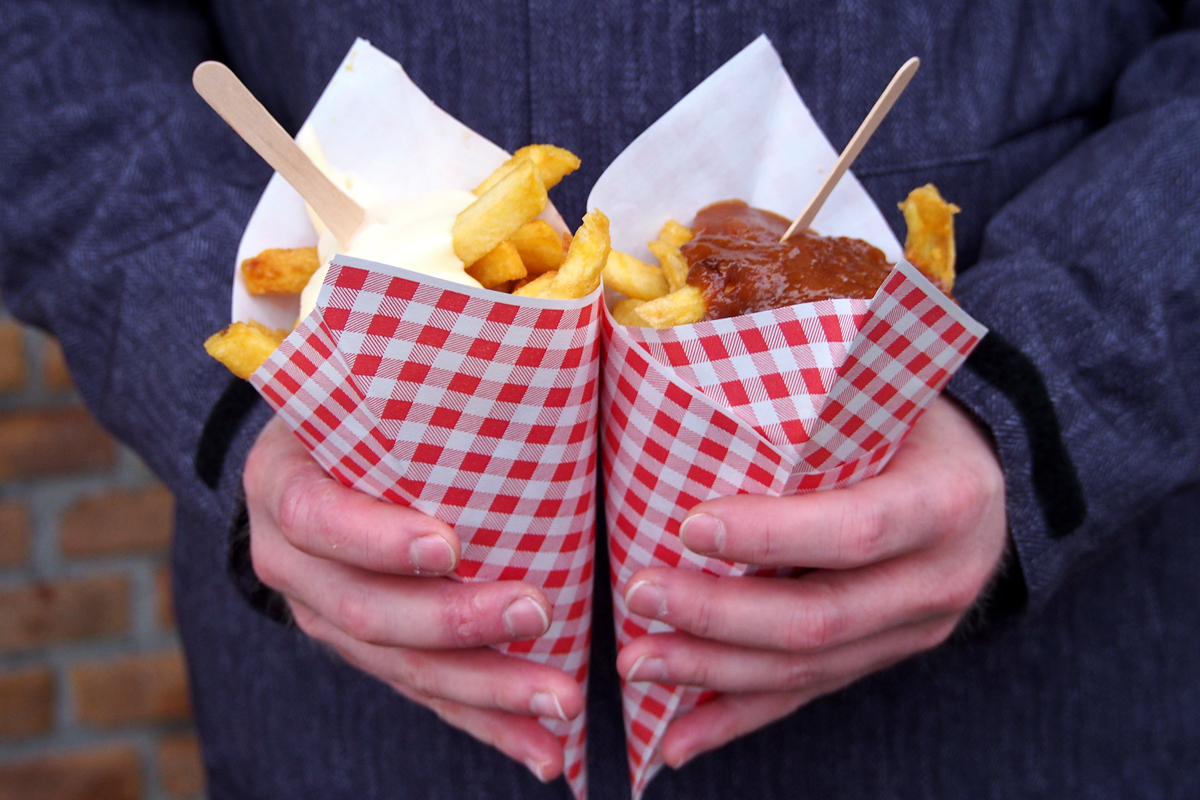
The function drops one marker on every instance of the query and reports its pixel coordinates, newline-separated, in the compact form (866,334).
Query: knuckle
(414,673)
(798,674)
(265,565)
(304,509)
(356,614)
(811,626)
(863,531)
(461,617)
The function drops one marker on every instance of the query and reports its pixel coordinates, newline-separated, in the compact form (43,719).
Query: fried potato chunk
(243,347)
(929,245)
(674,265)
(553,164)
(280,270)
(681,307)
(633,277)
(580,271)
(499,212)
(540,246)
(541,286)
(675,234)
(625,312)
(501,264)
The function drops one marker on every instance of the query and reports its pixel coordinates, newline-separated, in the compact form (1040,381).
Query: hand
(898,559)
(361,575)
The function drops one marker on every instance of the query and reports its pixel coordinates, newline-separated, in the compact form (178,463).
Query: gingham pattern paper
(692,413)
(475,407)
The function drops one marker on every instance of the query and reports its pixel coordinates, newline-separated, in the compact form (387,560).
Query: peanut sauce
(737,261)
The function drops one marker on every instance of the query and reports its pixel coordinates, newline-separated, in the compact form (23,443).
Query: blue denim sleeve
(121,200)
(1090,282)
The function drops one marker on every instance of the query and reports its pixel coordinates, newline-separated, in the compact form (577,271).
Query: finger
(724,719)
(816,611)
(323,518)
(520,738)
(480,678)
(682,659)
(427,613)
(944,478)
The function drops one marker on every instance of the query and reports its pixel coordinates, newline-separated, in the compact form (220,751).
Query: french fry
(633,277)
(553,164)
(541,286)
(539,245)
(675,234)
(501,264)
(625,312)
(929,244)
(280,270)
(514,200)
(674,265)
(580,271)
(243,347)
(680,307)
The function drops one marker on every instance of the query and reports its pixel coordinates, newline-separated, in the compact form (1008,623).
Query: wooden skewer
(230,98)
(857,142)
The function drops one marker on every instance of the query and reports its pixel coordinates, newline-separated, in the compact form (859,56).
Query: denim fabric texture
(1067,130)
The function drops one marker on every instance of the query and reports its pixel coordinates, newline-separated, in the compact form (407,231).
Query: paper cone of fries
(473,406)
(797,399)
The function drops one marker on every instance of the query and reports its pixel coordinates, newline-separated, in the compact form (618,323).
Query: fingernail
(702,534)
(431,555)
(545,704)
(538,769)
(646,599)
(648,668)
(525,619)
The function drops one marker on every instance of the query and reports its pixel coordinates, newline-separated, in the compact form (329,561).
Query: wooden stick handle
(230,98)
(857,142)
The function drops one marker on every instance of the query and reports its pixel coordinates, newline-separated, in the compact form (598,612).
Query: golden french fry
(929,244)
(243,347)
(675,234)
(501,264)
(567,238)
(515,199)
(674,265)
(625,312)
(680,307)
(539,245)
(579,274)
(553,164)
(633,277)
(279,269)
(541,286)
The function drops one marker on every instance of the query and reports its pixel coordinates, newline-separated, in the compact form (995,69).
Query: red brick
(166,601)
(71,609)
(13,374)
(180,765)
(14,533)
(38,443)
(136,521)
(150,688)
(26,703)
(102,773)
(54,368)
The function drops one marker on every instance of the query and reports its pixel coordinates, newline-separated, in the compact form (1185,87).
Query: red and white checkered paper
(476,407)
(797,399)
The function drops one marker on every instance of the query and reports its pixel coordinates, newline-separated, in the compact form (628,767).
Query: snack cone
(796,399)
(473,406)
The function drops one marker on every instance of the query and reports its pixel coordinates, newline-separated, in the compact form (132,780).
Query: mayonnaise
(415,233)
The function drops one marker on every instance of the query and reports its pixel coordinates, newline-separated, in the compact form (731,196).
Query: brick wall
(93,692)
